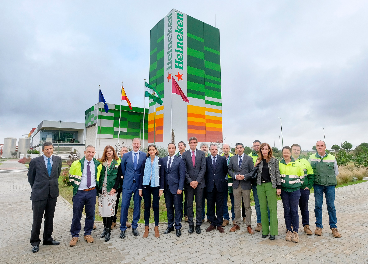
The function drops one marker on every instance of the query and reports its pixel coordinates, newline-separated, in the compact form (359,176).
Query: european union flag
(101,99)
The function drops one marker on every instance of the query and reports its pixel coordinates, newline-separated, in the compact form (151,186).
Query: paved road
(16,221)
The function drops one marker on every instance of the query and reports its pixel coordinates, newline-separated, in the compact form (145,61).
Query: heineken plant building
(119,126)
(187,50)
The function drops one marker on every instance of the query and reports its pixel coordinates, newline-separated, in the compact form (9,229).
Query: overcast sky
(303,61)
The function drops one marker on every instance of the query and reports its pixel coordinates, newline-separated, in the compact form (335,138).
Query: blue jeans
(86,200)
(330,201)
(226,208)
(290,201)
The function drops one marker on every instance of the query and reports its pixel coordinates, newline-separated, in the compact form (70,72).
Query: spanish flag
(125,97)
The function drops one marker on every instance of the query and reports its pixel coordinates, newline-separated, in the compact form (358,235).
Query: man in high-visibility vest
(325,170)
(308,180)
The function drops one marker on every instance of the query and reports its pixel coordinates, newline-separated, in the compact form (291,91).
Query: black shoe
(191,229)
(122,234)
(178,232)
(135,232)
(35,249)
(198,229)
(103,234)
(272,237)
(264,236)
(108,234)
(51,243)
(168,230)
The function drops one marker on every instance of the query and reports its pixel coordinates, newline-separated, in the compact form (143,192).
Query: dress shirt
(170,160)
(214,158)
(137,156)
(83,183)
(191,152)
(46,160)
(242,157)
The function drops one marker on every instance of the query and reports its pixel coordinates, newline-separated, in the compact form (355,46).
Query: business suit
(241,188)
(131,183)
(194,173)
(216,184)
(173,180)
(45,190)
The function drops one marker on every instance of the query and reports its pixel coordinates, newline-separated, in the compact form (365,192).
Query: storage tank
(23,145)
(9,147)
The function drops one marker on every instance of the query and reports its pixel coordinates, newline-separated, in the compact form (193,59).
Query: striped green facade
(203,64)
(131,121)
(156,71)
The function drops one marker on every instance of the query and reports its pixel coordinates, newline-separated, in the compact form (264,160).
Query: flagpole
(121,101)
(144,110)
(171,130)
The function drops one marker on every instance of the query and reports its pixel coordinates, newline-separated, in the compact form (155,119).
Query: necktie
(49,166)
(135,161)
(240,161)
(88,174)
(170,162)
(193,158)
(214,162)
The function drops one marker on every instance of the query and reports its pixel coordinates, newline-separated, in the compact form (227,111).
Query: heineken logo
(169,42)
(180,41)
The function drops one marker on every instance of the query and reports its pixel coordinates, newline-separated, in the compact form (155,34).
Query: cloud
(305,62)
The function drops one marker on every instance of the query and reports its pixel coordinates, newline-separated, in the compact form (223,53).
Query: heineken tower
(188,50)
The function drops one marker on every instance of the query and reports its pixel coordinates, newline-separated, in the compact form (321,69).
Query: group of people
(194,174)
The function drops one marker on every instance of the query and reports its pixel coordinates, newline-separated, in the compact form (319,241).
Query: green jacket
(325,169)
(308,180)
(292,175)
(229,178)
(254,156)
(76,170)
(112,172)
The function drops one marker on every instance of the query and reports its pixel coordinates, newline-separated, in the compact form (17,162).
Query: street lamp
(282,138)
(59,137)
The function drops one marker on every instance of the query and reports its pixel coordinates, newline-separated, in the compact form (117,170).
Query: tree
(314,148)
(247,150)
(336,148)
(347,146)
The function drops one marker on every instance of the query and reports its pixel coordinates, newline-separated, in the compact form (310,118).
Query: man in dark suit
(216,184)
(43,174)
(132,167)
(172,173)
(195,163)
(240,169)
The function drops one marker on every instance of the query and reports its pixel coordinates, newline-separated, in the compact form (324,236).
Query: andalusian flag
(152,94)
(125,97)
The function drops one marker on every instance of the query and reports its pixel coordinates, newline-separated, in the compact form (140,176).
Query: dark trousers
(303,205)
(215,201)
(174,204)
(290,201)
(86,200)
(40,209)
(117,205)
(198,194)
(125,202)
(185,207)
(147,191)
(204,203)
(107,221)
